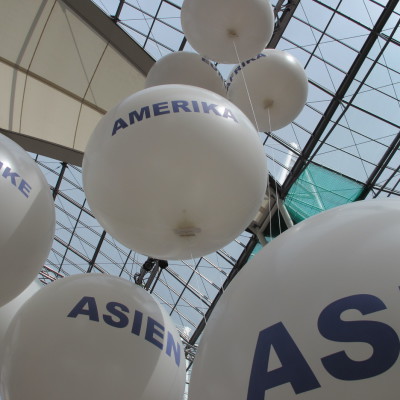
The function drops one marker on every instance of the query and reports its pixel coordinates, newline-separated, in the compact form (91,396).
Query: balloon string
(269,120)
(276,182)
(247,89)
(278,210)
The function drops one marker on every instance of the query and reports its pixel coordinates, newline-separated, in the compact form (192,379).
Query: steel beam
(380,168)
(107,27)
(336,100)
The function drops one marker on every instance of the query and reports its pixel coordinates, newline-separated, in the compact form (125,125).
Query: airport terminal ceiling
(68,62)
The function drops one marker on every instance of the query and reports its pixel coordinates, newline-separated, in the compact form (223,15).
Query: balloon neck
(268,103)
(187,231)
(232,33)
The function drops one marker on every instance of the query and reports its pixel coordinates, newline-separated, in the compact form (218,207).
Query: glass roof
(353,75)
(350,124)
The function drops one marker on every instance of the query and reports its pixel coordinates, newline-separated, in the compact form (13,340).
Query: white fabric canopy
(59,75)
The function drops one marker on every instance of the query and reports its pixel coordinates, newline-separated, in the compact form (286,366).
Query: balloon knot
(187,231)
(268,103)
(232,33)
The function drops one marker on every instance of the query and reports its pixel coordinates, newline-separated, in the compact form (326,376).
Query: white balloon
(94,337)
(314,315)
(174,172)
(277,89)
(27,219)
(8,311)
(186,68)
(215,27)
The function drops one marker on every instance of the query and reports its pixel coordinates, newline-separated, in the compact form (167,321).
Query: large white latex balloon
(186,68)
(94,337)
(215,27)
(174,172)
(27,219)
(314,315)
(276,92)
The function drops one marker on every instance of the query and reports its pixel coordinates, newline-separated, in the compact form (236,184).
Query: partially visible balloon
(175,172)
(9,310)
(94,337)
(186,68)
(27,219)
(227,31)
(276,91)
(314,315)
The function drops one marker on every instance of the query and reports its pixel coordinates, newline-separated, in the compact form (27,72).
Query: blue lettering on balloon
(228,114)
(180,104)
(91,310)
(210,107)
(294,368)
(172,345)
(137,322)
(23,186)
(144,111)
(213,66)
(118,317)
(119,124)
(160,108)
(174,106)
(117,310)
(12,175)
(382,338)
(209,63)
(195,106)
(239,68)
(154,328)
